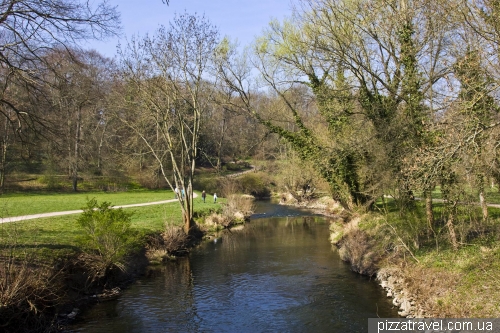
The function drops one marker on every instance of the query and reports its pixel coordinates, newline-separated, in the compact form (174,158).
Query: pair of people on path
(204,196)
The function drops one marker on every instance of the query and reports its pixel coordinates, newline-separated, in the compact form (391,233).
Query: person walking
(176,192)
(215,197)
(203,195)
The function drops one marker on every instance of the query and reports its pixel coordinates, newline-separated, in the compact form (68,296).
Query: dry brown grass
(359,250)
(438,282)
(29,294)
(431,289)
(171,242)
(475,292)
(174,239)
(451,284)
(217,221)
(238,207)
(236,210)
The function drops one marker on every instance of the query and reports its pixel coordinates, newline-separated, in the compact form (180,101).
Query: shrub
(210,185)
(175,239)
(360,251)
(108,233)
(238,208)
(229,186)
(254,184)
(239,166)
(50,180)
(170,243)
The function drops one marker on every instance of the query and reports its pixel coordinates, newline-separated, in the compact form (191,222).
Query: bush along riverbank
(39,293)
(173,242)
(424,279)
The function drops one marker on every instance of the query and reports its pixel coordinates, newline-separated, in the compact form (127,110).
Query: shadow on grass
(41,246)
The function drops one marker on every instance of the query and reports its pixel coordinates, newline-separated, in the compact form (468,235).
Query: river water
(278,274)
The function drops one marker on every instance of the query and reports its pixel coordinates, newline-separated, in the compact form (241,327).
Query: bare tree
(30,30)
(168,77)
(77,95)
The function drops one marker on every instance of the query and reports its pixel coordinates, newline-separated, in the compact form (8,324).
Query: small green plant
(107,232)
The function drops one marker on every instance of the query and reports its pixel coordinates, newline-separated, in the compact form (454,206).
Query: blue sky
(238,19)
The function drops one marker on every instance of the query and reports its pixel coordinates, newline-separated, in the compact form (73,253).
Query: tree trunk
(219,153)
(77,150)
(484,205)
(99,149)
(451,228)
(406,197)
(3,161)
(187,223)
(429,210)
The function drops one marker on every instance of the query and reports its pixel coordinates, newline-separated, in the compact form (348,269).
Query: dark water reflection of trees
(276,274)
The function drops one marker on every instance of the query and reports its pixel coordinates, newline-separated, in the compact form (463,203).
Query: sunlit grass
(59,235)
(492,194)
(35,203)
(447,282)
(477,274)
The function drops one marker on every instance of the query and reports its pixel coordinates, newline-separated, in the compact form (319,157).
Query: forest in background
(380,98)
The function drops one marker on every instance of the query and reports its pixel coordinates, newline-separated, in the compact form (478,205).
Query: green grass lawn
(64,229)
(58,235)
(492,194)
(475,273)
(35,203)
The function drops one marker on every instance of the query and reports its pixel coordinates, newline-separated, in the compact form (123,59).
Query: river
(278,274)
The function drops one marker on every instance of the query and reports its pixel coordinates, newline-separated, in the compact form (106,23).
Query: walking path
(69,212)
(237,174)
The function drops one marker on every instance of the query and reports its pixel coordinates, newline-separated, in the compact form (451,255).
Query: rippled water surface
(278,274)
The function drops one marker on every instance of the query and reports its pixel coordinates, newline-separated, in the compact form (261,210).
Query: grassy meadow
(57,235)
(28,203)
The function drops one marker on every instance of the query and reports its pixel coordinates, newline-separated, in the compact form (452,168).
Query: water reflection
(276,274)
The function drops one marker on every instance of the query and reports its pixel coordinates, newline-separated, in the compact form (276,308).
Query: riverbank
(45,290)
(433,281)
(277,274)
(159,248)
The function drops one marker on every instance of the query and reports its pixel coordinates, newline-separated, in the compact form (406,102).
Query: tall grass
(29,287)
